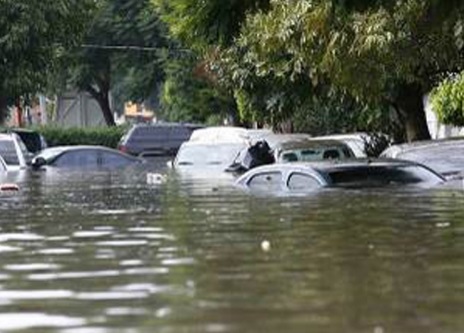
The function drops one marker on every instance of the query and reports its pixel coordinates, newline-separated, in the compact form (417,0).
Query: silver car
(308,177)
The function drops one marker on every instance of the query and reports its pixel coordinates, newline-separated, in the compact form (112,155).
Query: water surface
(107,252)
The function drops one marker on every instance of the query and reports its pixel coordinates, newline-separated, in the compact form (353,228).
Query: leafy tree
(123,52)
(33,33)
(205,24)
(448,100)
(188,95)
(379,52)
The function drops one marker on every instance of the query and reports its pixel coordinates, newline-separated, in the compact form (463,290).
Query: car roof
(333,164)
(423,145)
(52,152)
(7,136)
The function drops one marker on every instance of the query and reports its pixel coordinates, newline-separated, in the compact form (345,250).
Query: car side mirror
(170,164)
(38,162)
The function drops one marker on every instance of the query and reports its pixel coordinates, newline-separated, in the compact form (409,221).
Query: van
(160,139)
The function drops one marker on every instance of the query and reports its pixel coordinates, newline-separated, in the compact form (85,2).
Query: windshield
(373,176)
(203,155)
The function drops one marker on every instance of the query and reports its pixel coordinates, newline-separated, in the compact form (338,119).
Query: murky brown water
(106,252)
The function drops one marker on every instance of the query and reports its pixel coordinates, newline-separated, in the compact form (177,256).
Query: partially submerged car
(160,139)
(444,156)
(302,148)
(83,157)
(301,178)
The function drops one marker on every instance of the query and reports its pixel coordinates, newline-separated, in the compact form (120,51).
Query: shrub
(102,136)
(448,100)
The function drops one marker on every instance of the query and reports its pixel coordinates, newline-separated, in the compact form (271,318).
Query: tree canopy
(33,34)
(122,52)
(278,54)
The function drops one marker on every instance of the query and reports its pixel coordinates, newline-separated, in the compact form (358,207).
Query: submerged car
(199,155)
(302,148)
(85,157)
(444,156)
(160,139)
(308,177)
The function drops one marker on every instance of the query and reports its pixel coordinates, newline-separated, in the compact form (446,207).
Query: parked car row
(301,163)
(259,160)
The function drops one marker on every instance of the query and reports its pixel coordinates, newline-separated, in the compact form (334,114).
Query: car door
(302,182)
(110,160)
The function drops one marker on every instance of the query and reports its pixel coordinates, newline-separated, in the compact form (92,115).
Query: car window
(8,152)
(266,181)
(383,175)
(111,160)
(302,182)
(207,155)
(78,158)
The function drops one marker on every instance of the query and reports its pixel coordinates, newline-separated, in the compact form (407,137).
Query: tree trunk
(104,103)
(410,102)
(103,100)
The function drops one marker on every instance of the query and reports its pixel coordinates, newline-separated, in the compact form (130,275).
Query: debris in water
(266,245)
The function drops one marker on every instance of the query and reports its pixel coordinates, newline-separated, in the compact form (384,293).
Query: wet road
(107,252)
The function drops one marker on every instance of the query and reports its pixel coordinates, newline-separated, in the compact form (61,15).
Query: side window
(8,152)
(302,182)
(73,159)
(266,181)
(110,160)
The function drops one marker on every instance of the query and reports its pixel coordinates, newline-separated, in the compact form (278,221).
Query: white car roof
(227,134)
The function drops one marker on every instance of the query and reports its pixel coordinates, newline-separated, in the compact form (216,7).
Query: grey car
(161,139)
(445,156)
(301,178)
(83,157)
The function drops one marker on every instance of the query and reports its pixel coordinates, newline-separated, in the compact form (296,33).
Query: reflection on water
(107,252)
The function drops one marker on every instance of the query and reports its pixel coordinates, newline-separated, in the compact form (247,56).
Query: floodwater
(107,252)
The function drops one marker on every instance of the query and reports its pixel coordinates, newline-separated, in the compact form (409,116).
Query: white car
(14,152)
(227,134)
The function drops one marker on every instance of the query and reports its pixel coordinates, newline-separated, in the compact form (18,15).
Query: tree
(187,95)
(379,52)
(122,52)
(33,33)
(448,100)
(206,24)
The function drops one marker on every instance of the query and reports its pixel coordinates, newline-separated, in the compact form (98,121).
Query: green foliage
(205,23)
(123,52)
(375,52)
(448,101)
(104,136)
(187,95)
(33,33)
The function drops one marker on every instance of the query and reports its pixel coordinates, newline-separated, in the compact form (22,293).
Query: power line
(133,48)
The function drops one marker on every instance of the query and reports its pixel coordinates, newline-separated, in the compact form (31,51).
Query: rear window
(382,176)
(8,152)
